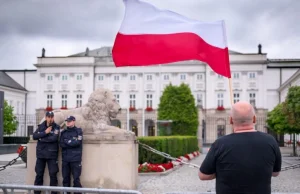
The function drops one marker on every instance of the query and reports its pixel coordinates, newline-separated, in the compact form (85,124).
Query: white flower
(184,158)
(144,164)
(160,166)
(175,163)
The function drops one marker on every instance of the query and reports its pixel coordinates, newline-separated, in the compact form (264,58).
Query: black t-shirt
(243,163)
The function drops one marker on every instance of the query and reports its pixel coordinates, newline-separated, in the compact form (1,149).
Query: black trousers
(75,169)
(40,169)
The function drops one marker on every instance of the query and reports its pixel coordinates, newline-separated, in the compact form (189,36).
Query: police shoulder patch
(79,137)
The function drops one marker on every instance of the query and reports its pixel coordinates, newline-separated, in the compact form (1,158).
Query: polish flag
(149,36)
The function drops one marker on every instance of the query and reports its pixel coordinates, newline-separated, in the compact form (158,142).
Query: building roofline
(7,81)
(292,78)
(295,60)
(13,88)
(18,70)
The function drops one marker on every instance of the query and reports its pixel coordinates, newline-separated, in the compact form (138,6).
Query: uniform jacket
(71,144)
(47,145)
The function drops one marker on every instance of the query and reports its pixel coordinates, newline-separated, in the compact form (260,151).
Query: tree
(285,117)
(277,120)
(10,122)
(178,104)
(292,111)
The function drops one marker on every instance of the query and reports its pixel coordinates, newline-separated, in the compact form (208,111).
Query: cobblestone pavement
(184,179)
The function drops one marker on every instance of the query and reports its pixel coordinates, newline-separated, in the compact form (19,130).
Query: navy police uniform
(71,144)
(46,152)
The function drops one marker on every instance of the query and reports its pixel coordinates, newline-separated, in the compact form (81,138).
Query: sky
(66,27)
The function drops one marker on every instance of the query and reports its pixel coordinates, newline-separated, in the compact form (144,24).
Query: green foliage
(277,120)
(10,122)
(285,117)
(292,107)
(174,145)
(177,103)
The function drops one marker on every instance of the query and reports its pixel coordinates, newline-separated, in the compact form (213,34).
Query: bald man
(244,161)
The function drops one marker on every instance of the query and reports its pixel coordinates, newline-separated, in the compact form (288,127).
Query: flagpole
(230,91)
(128,114)
(158,99)
(229,79)
(128,96)
(143,104)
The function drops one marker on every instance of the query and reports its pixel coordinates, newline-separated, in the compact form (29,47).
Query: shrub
(174,145)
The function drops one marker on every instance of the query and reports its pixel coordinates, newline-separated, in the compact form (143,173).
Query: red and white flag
(149,36)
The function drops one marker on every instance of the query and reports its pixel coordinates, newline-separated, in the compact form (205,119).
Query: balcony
(116,87)
(49,87)
(149,87)
(252,85)
(132,87)
(64,87)
(79,87)
(100,86)
(199,86)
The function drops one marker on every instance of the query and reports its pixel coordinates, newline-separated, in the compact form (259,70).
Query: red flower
(131,108)
(155,167)
(149,109)
(187,156)
(220,108)
(20,149)
(64,108)
(49,108)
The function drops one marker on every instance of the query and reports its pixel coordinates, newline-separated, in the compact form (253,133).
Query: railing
(212,193)
(48,189)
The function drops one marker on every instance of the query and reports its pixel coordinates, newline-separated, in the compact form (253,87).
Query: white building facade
(67,82)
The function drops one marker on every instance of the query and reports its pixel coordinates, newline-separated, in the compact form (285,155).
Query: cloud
(69,26)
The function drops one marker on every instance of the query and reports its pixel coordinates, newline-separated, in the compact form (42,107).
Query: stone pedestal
(108,161)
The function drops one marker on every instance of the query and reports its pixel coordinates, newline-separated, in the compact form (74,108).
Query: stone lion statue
(94,117)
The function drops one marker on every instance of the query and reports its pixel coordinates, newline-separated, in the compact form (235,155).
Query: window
(22,107)
(50,77)
(149,77)
(100,77)
(117,97)
(220,99)
(78,77)
(64,100)
(220,77)
(251,75)
(182,77)
(18,106)
(220,130)
(64,77)
(78,100)
(199,77)
(132,77)
(49,100)
(236,97)
(199,100)
(252,98)
(166,77)
(132,100)
(116,78)
(149,98)
(236,75)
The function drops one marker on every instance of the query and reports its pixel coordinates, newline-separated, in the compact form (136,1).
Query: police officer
(47,150)
(71,143)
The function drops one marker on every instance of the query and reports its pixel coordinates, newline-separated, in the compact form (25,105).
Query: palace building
(67,82)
